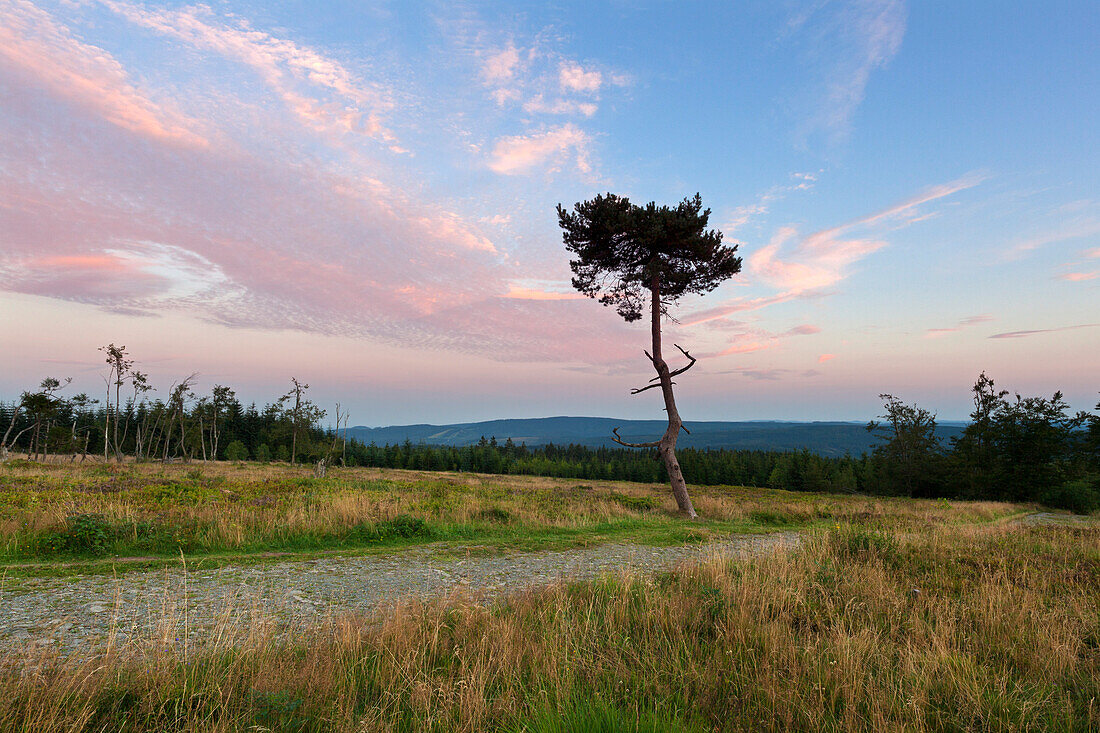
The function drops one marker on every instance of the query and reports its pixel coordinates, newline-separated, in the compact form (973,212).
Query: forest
(1013,449)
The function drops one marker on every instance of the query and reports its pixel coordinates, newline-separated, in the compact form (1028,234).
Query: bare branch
(643,389)
(683,369)
(620,441)
(685,429)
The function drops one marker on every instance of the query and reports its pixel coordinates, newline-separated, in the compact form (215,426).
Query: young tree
(910,450)
(118,366)
(627,255)
(301,413)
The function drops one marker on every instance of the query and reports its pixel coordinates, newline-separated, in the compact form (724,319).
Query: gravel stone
(81,610)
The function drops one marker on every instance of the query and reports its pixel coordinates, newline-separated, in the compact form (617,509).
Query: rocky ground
(178,606)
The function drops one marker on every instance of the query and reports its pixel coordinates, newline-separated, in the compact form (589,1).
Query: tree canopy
(622,250)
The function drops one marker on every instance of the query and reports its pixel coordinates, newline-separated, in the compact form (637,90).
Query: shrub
(635,503)
(495,514)
(263,453)
(1080,496)
(772,518)
(84,534)
(400,526)
(236,451)
(404,526)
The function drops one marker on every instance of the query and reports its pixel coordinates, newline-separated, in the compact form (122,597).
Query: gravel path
(67,612)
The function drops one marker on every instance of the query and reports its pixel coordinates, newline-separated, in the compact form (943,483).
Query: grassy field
(892,615)
(59,516)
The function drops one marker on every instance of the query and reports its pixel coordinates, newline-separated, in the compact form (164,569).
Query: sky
(362,195)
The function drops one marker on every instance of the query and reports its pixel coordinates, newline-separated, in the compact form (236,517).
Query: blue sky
(362,195)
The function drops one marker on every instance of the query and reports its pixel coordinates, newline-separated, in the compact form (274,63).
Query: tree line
(129,421)
(1014,448)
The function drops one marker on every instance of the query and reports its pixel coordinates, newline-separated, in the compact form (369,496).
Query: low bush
(635,503)
(83,534)
(1080,497)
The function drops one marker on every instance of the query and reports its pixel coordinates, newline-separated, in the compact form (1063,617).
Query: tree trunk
(4,443)
(667,446)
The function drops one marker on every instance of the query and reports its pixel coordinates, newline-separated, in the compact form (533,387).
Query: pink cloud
(1092,253)
(824,258)
(825,357)
(501,65)
(573,77)
(521,153)
(1076,277)
(533,294)
(34,45)
(295,72)
(539,105)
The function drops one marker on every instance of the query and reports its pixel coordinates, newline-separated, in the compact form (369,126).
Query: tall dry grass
(992,628)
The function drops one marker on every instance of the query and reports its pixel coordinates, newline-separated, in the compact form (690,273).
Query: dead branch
(683,369)
(620,441)
(648,386)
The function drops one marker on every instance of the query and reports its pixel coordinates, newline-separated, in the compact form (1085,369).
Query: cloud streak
(860,37)
(815,263)
(34,46)
(964,323)
(1037,331)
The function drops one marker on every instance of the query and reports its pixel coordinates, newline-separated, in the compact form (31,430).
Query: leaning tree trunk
(667,445)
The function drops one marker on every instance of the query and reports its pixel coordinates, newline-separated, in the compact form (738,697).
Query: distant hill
(824,438)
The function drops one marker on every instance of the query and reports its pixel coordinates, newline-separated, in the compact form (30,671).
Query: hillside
(823,438)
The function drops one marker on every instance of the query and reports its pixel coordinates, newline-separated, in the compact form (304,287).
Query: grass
(58,518)
(940,627)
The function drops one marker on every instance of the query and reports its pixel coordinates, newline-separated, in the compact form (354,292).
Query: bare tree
(118,367)
(7,442)
(80,404)
(622,251)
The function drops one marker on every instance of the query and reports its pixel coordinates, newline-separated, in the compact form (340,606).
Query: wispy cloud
(742,215)
(1076,277)
(500,66)
(1035,332)
(964,323)
(818,261)
(33,44)
(1076,226)
(857,37)
(150,219)
(294,71)
(770,375)
(750,339)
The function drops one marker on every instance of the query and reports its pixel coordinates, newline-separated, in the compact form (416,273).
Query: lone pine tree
(624,250)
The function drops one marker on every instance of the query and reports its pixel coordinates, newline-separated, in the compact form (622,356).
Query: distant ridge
(823,438)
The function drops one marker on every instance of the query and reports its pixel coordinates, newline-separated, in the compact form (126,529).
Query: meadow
(121,514)
(892,614)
